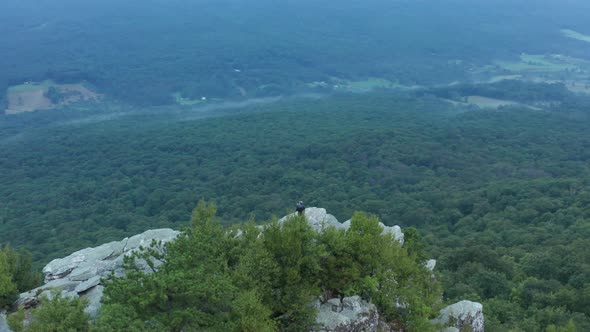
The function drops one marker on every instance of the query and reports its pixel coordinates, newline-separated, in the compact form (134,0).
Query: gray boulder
(86,285)
(430,264)
(351,315)
(87,263)
(93,295)
(3,323)
(451,329)
(319,220)
(80,274)
(463,314)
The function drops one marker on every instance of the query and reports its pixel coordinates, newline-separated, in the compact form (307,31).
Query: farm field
(537,63)
(30,96)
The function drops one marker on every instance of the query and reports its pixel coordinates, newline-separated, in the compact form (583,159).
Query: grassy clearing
(32,96)
(371,84)
(368,85)
(537,63)
(485,102)
(575,35)
(500,78)
(180,100)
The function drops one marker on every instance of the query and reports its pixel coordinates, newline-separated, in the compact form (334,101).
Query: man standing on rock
(300,208)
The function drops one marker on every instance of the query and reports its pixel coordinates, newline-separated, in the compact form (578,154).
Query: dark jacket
(300,208)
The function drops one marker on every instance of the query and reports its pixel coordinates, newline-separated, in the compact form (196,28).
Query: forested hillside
(143,53)
(501,197)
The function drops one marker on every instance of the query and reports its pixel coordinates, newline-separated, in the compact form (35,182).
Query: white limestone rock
(50,294)
(319,220)
(87,263)
(430,264)
(93,295)
(145,239)
(3,323)
(61,267)
(79,274)
(86,285)
(463,314)
(351,315)
(451,329)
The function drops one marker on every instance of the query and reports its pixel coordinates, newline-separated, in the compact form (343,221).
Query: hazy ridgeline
(143,51)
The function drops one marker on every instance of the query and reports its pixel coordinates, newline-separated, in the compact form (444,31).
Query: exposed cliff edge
(79,275)
(463,315)
(319,219)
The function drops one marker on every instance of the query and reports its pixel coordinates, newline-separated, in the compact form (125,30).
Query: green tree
(414,244)
(8,289)
(569,327)
(55,314)
(191,290)
(294,248)
(339,269)
(251,278)
(400,287)
(252,314)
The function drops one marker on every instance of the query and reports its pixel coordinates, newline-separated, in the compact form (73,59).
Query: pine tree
(8,289)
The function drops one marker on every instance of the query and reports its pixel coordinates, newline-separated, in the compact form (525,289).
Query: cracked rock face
(352,314)
(463,314)
(79,274)
(87,263)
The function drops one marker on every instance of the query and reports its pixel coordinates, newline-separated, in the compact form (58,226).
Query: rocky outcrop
(79,274)
(3,323)
(430,264)
(319,220)
(352,314)
(462,315)
(100,261)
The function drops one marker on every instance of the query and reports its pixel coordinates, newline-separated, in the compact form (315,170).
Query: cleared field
(575,35)
(500,78)
(363,86)
(31,97)
(535,63)
(369,85)
(480,101)
(485,102)
(180,100)
(28,101)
